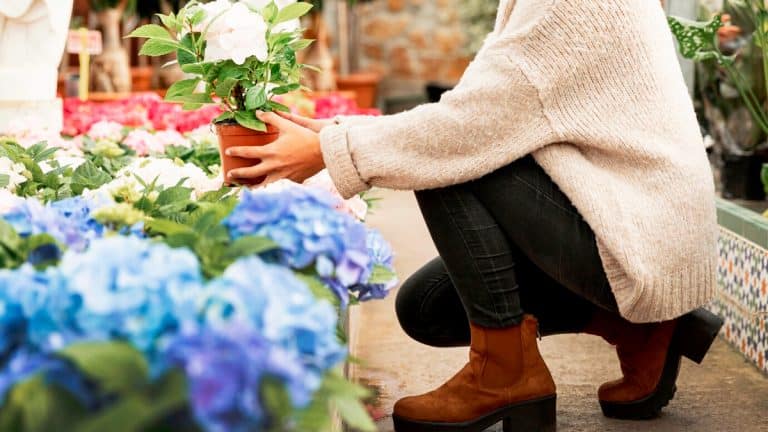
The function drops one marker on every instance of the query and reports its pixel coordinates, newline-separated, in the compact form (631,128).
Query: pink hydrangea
(167,138)
(143,142)
(108,130)
(354,206)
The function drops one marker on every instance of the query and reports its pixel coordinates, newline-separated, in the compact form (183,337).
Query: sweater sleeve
(492,117)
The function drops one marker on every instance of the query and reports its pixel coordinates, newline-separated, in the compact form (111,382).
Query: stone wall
(411,42)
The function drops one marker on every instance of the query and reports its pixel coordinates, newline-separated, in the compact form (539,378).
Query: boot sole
(694,335)
(537,415)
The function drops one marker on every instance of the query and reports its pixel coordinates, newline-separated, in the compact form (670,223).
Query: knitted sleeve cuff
(338,161)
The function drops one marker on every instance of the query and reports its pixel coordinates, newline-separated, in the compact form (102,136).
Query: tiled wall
(742,277)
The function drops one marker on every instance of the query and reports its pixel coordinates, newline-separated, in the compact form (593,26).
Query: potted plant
(731,88)
(238,55)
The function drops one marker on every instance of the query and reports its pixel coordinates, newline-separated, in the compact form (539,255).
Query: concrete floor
(723,394)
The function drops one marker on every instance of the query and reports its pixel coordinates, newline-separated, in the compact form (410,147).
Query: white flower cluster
(14,171)
(236,31)
(8,201)
(163,172)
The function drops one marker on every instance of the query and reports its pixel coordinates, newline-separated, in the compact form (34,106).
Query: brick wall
(411,42)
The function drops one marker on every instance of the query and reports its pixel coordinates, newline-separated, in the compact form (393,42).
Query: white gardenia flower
(236,35)
(14,171)
(212,11)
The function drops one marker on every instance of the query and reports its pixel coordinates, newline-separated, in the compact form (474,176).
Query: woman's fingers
(252,172)
(249,152)
(299,120)
(275,120)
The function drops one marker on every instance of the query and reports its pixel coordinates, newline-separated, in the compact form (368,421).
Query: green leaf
(249,245)
(226,115)
(353,412)
(381,275)
(255,98)
(285,89)
(276,106)
(88,176)
(169,20)
(35,406)
(158,47)
(151,31)
(173,195)
(116,366)
(224,88)
(231,70)
(167,227)
(5,180)
(293,11)
(763,176)
(248,119)
(301,44)
(45,154)
(270,12)
(186,55)
(182,88)
(318,288)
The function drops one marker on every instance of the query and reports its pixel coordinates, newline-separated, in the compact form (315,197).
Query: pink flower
(170,138)
(106,129)
(143,142)
(354,206)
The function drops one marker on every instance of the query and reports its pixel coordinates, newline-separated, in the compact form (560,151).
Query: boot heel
(695,333)
(536,416)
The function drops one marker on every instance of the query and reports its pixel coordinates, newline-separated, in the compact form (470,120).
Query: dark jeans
(510,243)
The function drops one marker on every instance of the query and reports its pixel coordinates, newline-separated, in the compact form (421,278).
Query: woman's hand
(309,123)
(295,155)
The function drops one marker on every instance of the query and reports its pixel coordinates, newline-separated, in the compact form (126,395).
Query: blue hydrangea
(69,221)
(271,300)
(381,254)
(308,229)
(224,369)
(125,287)
(44,304)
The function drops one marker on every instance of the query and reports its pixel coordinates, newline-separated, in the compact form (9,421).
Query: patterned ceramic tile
(742,299)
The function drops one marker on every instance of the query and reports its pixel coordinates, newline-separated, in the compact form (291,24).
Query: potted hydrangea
(239,55)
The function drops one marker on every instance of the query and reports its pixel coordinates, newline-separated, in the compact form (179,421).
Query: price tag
(84,41)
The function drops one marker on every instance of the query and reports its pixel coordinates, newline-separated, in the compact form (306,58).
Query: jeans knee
(407,307)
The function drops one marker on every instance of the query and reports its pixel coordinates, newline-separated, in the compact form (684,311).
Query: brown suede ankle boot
(505,379)
(650,359)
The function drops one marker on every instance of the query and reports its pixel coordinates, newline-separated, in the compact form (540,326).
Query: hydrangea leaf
(116,366)
(381,275)
(88,176)
(34,406)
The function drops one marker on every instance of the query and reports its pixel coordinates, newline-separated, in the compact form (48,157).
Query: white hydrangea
(237,34)
(14,171)
(8,201)
(164,172)
(63,161)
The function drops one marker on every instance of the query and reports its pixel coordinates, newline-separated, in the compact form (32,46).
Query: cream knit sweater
(593,89)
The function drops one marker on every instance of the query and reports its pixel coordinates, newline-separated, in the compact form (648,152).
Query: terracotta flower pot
(234,135)
(364,84)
